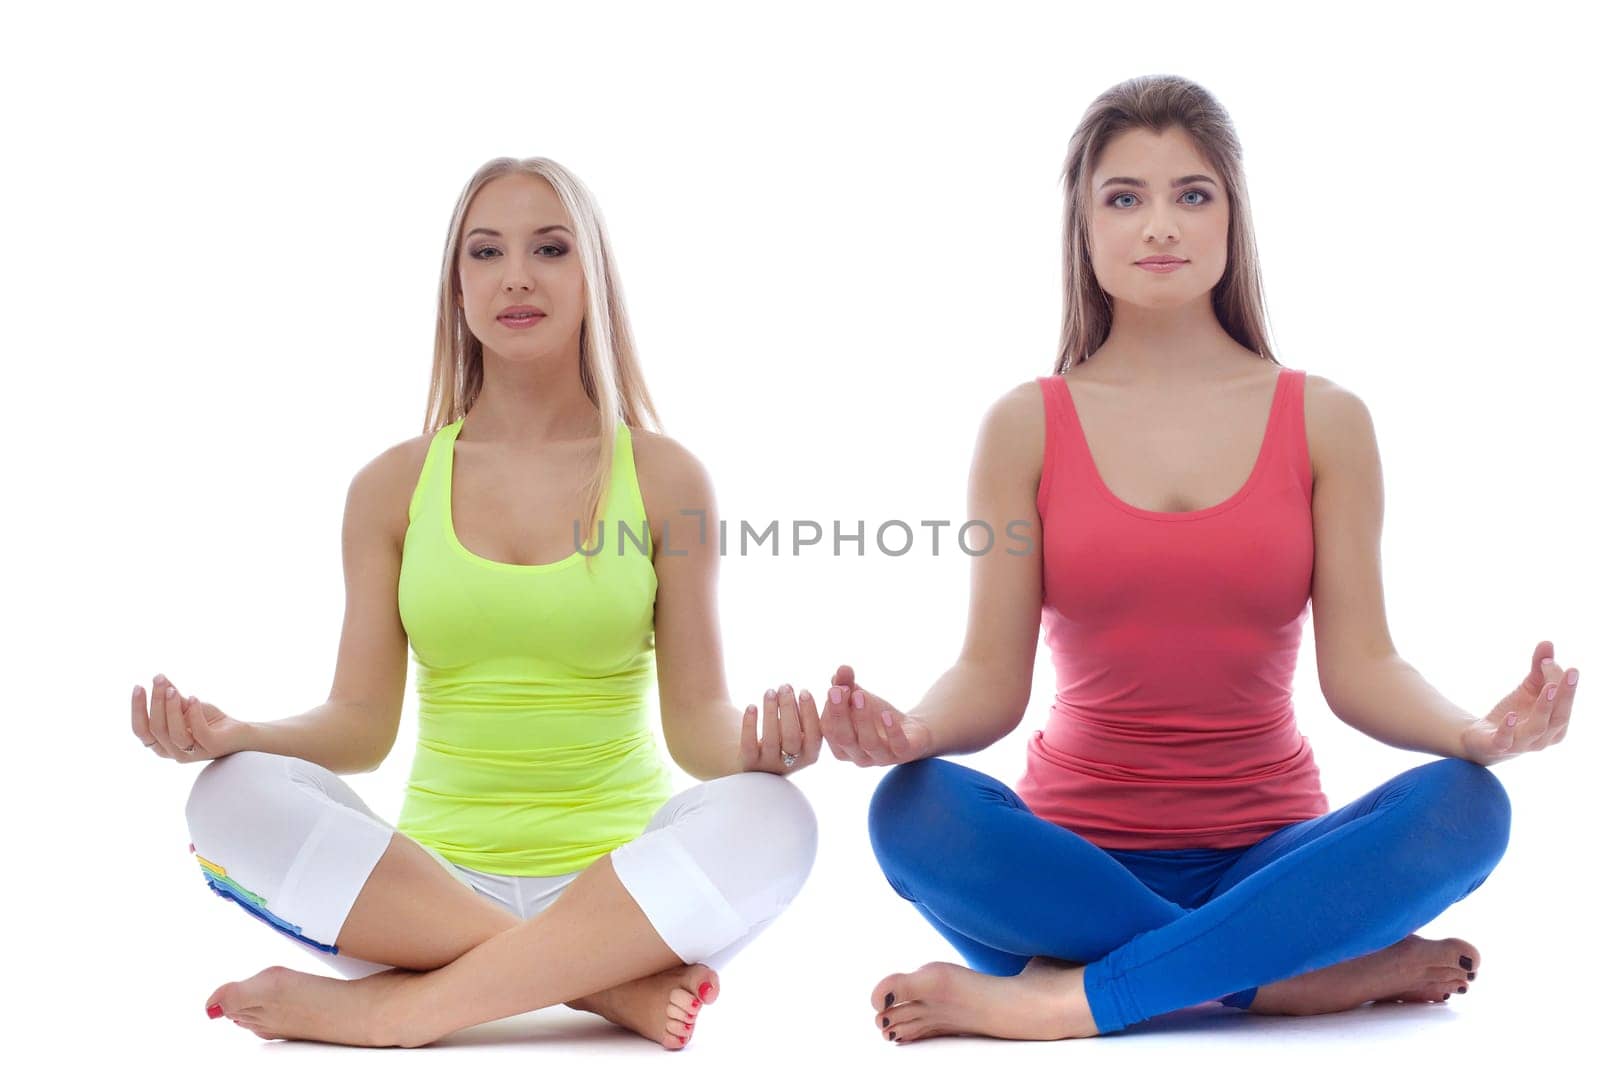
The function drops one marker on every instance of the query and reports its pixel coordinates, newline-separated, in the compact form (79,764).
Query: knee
(228,788)
(911,801)
(1470,807)
(778,830)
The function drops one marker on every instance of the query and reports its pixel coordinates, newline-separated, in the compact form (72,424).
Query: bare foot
(1045,1002)
(283,1003)
(661,1006)
(1411,970)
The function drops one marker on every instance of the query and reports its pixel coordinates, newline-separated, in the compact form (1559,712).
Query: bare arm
(1364,680)
(984,695)
(355,729)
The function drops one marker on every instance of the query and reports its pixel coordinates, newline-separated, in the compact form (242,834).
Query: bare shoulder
(1338,424)
(1014,426)
(670,476)
(383,486)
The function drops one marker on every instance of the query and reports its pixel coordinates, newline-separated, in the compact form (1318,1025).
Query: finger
(894,731)
(770,738)
(836,728)
(845,675)
(749,751)
(867,733)
(199,727)
(1563,713)
(158,715)
(141,719)
(177,732)
(789,732)
(810,728)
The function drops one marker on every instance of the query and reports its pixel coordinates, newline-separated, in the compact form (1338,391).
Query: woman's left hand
(1528,719)
(789,725)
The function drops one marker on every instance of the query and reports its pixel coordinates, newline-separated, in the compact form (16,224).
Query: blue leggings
(1166,929)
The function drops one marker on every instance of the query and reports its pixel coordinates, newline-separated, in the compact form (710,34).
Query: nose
(1161,227)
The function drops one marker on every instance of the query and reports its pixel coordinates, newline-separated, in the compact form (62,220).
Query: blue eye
(1205,197)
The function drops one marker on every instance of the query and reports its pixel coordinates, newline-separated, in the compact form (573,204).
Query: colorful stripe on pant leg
(217,878)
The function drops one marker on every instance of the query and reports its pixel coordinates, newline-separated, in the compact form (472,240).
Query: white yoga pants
(292,843)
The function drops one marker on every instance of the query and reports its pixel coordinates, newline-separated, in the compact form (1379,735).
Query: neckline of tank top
(1279,389)
(448,478)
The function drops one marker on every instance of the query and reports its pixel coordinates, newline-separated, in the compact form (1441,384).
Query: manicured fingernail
(835,695)
(213,1010)
(1550,693)
(704,988)
(771,695)
(1572,676)
(858,699)
(1466,963)
(1546,661)
(1511,719)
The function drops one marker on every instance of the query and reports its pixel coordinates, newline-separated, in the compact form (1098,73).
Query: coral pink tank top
(1174,637)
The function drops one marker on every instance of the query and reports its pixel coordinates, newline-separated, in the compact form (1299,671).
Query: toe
(911,1030)
(1467,956)
(902,1013)
(884,994)
(702,982)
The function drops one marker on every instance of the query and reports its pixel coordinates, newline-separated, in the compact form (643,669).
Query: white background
(838,234)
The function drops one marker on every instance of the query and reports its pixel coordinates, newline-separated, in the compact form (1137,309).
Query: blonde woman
(538,858)
(1181,499)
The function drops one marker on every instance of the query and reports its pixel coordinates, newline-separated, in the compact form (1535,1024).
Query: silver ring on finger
(189,749)
(788,758)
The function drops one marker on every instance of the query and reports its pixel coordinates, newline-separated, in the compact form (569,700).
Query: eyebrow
(1139,183)
(497,233)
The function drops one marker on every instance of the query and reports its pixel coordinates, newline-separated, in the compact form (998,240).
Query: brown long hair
(608,363)
(1157,103)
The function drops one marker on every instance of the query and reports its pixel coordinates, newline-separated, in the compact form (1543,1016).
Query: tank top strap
(625,498)
(430,480)
(1057,434)
(1290,427)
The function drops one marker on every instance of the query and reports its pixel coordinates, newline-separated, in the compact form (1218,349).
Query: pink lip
(521,324)
(1159,267)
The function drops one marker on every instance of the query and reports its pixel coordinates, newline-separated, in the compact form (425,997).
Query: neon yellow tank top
(534,753)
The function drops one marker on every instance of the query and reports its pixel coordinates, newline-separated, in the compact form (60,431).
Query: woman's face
(517,248)
(1177,208)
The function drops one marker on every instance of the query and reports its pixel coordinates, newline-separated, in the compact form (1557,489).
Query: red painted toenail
(213,1010)
(704,987)
(695,1003)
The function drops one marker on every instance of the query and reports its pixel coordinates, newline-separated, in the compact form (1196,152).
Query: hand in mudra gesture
(181,728)
(868,730)
(790,738)
(1532,716)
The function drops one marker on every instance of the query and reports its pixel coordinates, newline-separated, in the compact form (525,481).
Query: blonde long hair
(608,362)
(1157,103)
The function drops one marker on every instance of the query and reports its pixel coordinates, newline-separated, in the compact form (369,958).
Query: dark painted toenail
(1471,975)
(888,1000)
(1466,963)
(891,1035)
(884,1025)
(1463,989)
(1447,996)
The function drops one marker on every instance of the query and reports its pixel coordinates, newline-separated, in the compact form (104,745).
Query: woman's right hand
(868,730)
(185,729)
